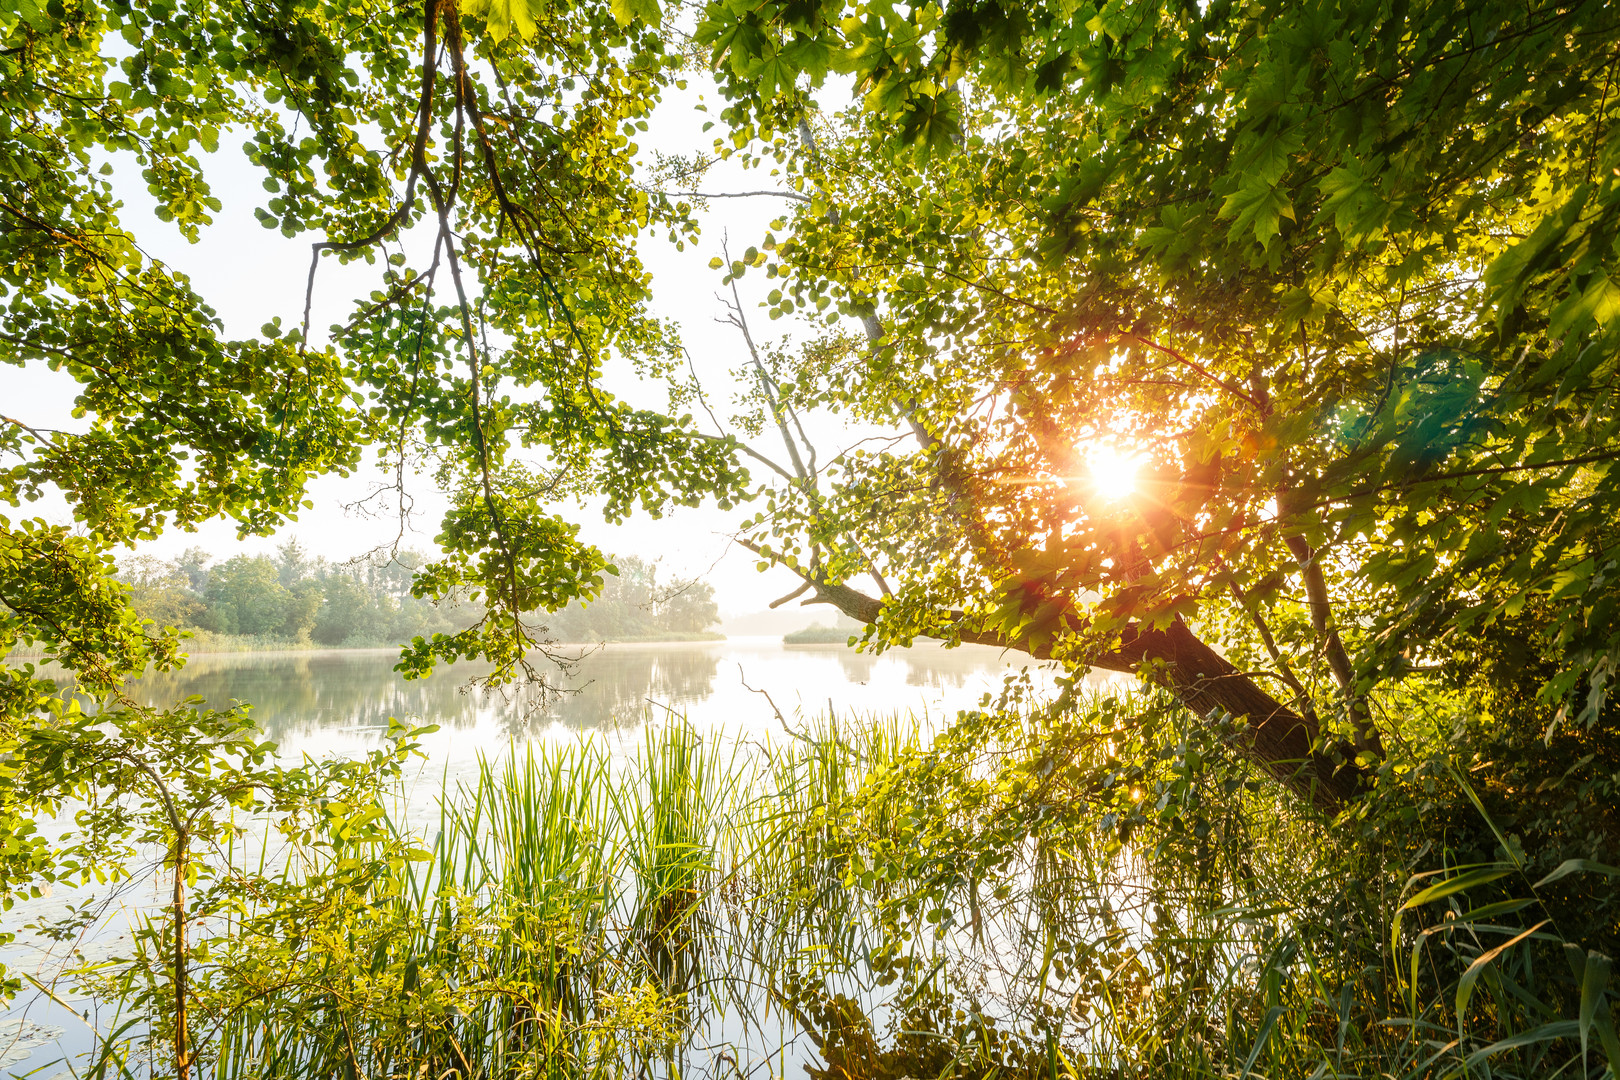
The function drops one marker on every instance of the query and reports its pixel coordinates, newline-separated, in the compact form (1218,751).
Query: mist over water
(340,702)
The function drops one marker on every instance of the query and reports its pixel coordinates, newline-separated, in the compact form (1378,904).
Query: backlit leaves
(1360,258)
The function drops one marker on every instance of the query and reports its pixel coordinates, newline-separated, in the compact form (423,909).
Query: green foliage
(245,596)
(1101,888)
(1338,273)
(292,599)
(515,147)
(164,592)
(819,635)
(1129,879)
(514,946)
(1342,275)
(1097,890)
(128,778)
(511,151)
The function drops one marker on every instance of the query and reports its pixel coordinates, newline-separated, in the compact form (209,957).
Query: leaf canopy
(1340,273)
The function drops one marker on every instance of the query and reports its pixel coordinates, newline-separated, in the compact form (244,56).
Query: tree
(688,606)
(1336,280)
(302,608)
(635,604)
(161,591)
(245,597)
(422,138)
(292,563)
(1337,274)
(347,612)
(193,563)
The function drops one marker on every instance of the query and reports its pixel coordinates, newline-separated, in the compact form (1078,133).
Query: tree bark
(1279,740)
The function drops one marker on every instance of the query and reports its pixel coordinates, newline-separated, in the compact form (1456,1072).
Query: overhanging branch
(1278,739)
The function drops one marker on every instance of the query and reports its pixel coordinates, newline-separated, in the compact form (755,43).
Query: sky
(251,274)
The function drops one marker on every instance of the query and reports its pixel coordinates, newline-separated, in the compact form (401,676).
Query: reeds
(1024,894)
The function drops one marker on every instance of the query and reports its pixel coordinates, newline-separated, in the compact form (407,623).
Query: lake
(340,702)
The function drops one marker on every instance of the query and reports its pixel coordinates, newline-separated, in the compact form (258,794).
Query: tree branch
(1344,673)
(1285,671)
(424,121)
(1279,740)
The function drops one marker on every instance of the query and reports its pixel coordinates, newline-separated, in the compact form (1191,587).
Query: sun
(1113,471)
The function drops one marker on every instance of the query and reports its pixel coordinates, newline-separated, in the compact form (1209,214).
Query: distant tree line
(294,598)
(289,597)
(636,606)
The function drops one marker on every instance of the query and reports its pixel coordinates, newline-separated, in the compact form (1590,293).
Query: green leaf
(809,55)
(1467,880)
(1578,866)
(503,17)
(1557,1029)
(1594,981)
(1257,208)
(1465,985)
(1267,1026)
(931,122)
(631,11)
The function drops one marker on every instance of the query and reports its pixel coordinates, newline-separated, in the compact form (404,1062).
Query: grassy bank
(819,635)
(1028,893)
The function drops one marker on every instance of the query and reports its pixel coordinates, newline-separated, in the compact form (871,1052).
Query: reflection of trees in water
(927,667)
(613,685)
(947,669)
(295,695)
(857,665)
(299,694)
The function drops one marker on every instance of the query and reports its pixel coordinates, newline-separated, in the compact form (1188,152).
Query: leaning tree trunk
(1287,745)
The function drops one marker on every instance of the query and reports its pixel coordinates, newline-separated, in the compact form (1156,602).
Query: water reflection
(295,695)
(341,701)
(614,686)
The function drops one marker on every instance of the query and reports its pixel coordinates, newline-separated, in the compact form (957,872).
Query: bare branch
(702,398)
(751,452)
(740,321)
(794,195)
(794,595)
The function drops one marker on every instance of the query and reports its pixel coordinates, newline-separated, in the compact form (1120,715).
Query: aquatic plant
(1086,888)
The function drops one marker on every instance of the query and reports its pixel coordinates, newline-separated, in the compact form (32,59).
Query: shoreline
(587,647)
(270,649)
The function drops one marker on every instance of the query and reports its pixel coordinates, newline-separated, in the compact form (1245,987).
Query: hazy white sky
(251,274)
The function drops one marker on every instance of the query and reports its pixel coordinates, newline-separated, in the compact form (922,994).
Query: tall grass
(1096,892)
(505,951)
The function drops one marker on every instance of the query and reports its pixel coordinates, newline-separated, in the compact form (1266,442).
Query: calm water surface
(339,703)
